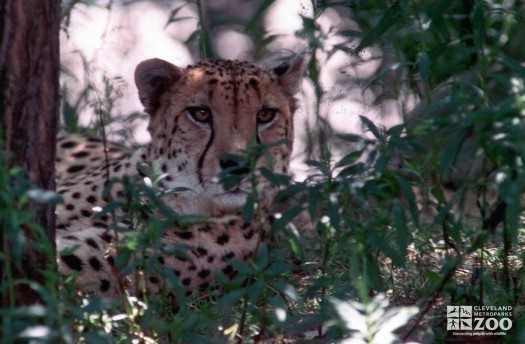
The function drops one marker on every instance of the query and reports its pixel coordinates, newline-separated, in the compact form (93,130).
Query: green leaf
(290,191)
(241,267)
(349,159)
(325,170)
(275,178)
(396,131)
(296,248)
(173,15)
(353,138)
(262,257)
(350,33)
(450,153)
(231,298)
(408,194)
(247,209)
(192,37)
(256,291)
(393,319)
(478,25)
(390,17)
(402,234)
(371,127)
(512,64)
(313,197)
(309,27)
(333,211)
(286,217)
(123,257)
(352,170)
(433,277)
(70,118)
(256,17)
(386,71)
(188,220)
(424,66)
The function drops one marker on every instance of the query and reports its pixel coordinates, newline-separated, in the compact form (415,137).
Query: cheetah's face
(203,112)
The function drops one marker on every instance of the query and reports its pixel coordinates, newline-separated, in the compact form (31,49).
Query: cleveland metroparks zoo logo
(479,320)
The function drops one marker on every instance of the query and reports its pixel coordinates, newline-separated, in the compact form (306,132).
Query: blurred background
(103,41)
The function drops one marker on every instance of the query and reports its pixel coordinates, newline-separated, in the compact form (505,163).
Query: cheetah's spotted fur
(197,114)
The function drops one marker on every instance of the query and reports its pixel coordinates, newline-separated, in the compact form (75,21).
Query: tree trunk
(29,92)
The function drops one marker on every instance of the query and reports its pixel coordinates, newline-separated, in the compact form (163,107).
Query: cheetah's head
(200,113)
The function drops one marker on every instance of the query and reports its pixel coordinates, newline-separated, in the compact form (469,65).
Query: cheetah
(198,116)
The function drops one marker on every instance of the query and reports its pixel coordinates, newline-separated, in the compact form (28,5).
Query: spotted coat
(197,115)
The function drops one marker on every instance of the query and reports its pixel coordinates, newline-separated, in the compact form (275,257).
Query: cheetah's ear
(291,74)
(153,77)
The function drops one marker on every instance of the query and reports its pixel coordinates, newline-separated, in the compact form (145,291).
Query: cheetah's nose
(235,165)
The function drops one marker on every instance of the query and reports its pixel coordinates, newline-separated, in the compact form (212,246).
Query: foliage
(16,193)
(372,322)
(391,216)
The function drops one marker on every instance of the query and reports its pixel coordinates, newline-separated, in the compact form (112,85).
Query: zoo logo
(464,318)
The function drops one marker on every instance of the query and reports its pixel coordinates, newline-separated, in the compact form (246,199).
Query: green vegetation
(405,214)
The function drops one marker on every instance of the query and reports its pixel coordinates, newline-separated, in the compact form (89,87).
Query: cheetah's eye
(200,114)
(266,115)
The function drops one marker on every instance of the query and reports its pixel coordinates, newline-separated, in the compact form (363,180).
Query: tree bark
(29,92)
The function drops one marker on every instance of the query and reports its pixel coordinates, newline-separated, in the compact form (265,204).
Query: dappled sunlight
(110,43)
(233,45)
(102,42)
